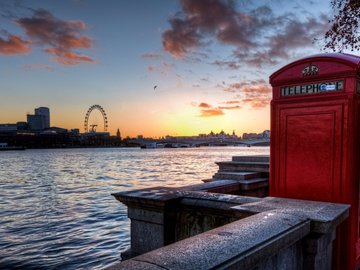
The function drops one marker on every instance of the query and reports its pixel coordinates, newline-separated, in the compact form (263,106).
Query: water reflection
(56,210)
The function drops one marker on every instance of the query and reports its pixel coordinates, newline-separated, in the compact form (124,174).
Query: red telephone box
(315,134)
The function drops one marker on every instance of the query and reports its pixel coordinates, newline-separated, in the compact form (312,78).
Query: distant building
(266,134)
(40,120)
(46,113)
(118,135)
(75,131)
(252,136)
(22,126)
(55,130)
(35,122)
(8,127)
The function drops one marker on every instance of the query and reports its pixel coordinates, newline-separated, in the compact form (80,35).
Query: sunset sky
(210,61)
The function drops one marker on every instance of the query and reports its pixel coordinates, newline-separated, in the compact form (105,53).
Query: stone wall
(200,227)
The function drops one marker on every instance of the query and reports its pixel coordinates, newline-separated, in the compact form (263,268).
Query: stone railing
(225,231)
(201,227)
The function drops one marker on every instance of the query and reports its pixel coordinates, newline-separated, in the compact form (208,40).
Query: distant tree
(344,31)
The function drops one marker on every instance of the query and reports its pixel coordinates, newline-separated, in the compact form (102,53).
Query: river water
(56,208)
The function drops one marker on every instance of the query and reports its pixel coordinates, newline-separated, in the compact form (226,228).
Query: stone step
(255,158)
(255,183)
(236,175)
(248,184)
(235,166)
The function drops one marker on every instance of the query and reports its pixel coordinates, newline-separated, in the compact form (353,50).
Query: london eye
(92,127)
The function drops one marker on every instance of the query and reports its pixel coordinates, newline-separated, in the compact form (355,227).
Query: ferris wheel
(86,122)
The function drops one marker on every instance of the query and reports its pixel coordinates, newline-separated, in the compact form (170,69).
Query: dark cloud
(259,36)
(294,34)
(63,37)
(14,45)
(254,58)
(12,9)
(201,19)
(297,34)
(180,38)
(227,64)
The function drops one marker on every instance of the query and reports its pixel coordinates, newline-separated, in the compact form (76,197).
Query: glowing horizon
(176,71)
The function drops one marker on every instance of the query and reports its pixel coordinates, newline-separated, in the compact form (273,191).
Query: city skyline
(157,68)
(40,123)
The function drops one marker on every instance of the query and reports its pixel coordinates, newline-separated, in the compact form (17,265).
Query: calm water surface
(56,208)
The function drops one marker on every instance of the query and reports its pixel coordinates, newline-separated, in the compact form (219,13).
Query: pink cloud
(255,93)
(62,37)
(14,45)
(68,58)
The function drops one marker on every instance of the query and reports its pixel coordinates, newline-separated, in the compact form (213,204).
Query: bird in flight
(155,87)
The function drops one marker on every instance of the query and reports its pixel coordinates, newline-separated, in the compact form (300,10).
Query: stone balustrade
(179,229)
(202,227)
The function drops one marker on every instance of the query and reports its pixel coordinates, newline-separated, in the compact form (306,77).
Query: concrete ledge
(155,196)
(275,233)
(223,198)
(241,244)
(324,216)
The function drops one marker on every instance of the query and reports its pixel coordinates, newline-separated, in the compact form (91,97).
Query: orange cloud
(14,45)
(257,103)
(207,110)
(204,105)
(63,37)
(237,107)
(211,112)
